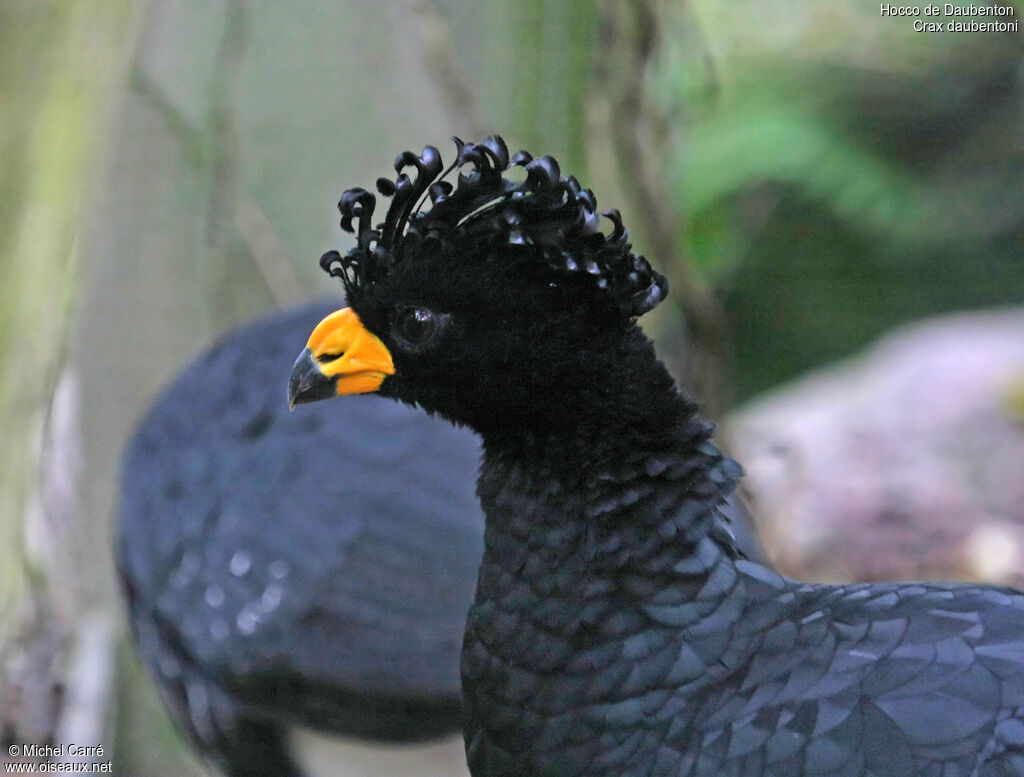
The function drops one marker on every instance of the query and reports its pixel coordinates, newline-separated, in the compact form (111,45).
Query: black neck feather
(629,465)
(583,564)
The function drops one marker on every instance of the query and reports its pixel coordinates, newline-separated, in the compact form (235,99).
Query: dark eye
(415,328)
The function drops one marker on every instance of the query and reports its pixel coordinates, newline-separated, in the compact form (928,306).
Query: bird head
(482,298)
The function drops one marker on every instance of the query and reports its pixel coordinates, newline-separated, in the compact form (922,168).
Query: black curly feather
(552,215)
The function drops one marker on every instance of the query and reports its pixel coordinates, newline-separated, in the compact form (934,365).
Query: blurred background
(811,175)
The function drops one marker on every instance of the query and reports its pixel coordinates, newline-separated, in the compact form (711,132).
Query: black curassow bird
(616,629)
(267,598)
(295,572)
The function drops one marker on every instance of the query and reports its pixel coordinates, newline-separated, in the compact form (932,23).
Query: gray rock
(906,462)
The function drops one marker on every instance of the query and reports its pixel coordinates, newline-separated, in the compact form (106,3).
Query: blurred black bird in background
(295,571)
(616,628)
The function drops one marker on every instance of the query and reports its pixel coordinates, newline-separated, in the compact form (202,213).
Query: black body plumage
(295,569)
(616,630)
(633,640)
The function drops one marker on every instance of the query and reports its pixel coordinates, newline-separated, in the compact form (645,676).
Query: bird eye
(415,328)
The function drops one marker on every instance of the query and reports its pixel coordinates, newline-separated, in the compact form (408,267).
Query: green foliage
(841,174)
(749,144)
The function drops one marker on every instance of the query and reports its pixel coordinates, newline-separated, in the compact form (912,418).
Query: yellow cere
(343,347)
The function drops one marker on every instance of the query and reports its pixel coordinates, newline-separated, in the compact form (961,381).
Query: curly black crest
(554,216)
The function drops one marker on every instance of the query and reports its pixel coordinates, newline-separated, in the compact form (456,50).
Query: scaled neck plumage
(581,571)
(633,484)
(621,441)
